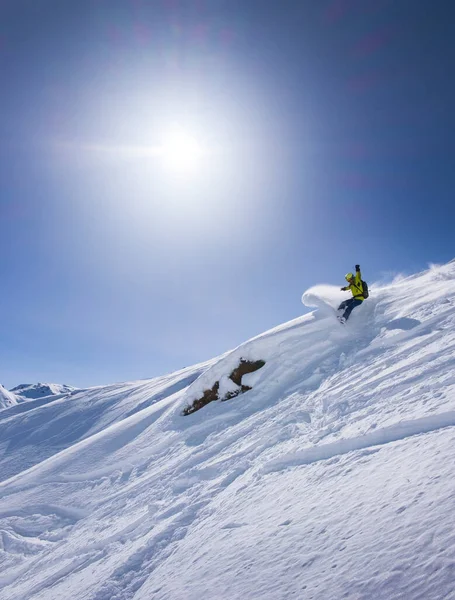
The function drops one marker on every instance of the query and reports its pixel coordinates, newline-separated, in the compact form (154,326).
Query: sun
(181,152)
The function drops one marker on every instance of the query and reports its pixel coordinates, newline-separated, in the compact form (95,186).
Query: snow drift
(331,478)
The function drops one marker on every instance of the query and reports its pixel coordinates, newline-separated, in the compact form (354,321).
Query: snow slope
(332,478)
(7,398)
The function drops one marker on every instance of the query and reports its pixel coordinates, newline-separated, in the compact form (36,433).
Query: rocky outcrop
(209,395)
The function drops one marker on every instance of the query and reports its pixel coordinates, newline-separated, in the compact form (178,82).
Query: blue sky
(328,130)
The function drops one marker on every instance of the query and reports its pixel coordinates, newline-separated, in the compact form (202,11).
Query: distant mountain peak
(41,390)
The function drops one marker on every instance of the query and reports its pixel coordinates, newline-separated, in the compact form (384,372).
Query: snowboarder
(358,295)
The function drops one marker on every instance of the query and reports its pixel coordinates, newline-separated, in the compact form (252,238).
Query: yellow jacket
(356,287)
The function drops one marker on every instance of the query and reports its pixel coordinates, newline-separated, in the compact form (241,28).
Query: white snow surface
(7,398)
(332,478)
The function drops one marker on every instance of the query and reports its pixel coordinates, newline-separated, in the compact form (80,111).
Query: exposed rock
(208,396)
(244,367)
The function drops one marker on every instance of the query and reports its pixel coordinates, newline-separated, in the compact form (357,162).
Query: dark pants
(349,305)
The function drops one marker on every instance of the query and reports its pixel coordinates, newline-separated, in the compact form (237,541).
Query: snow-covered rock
(332,478)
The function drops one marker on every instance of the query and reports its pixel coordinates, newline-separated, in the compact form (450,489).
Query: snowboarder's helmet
(349,276)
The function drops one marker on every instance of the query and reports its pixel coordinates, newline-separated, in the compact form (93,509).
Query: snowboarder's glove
(357,267)
(343,289)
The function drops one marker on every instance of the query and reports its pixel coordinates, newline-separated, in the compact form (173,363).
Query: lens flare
(181,152)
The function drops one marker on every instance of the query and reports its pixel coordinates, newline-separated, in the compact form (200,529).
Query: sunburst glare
(181,152)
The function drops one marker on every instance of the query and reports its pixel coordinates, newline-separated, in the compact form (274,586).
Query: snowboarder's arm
(358,276)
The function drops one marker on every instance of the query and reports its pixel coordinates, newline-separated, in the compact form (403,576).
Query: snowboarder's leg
(350,305)
(343,305)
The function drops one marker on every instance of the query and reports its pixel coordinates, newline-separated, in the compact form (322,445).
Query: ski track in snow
(332,478)
(379,437)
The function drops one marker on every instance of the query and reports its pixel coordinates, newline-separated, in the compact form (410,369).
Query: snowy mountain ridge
(333,477)
(28,391)
(40,390)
